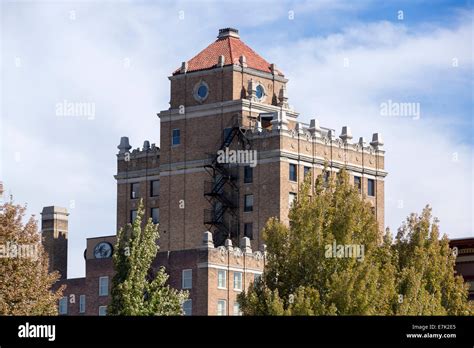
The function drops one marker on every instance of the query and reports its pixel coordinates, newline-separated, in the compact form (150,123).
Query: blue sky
(117,55)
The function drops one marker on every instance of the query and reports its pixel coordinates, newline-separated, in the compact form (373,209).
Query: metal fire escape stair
(222,192)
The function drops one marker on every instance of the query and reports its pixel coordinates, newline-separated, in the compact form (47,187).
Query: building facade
(463,249)
(232,154)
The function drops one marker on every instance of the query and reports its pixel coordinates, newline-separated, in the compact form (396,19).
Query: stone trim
(233,67)
(131,180)
(205,110)
(229,268)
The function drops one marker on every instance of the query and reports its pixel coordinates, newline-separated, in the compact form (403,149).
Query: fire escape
(222,191)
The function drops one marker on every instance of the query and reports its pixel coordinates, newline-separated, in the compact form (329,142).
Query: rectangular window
(103,286)
(248,230)
(102,310)
(63,305)
(155,188)
(155,215)
(307,170)
(248,203)
(187,279)
(227,132)
(248,174)
(176,137)
(218,215)
(221,307)
(133,215)
(237,309)
(291,199)
(82,303)
(358,182)
(371,187)
(221,279)
(188,307)
(238,281)
(134,190)
(293,173)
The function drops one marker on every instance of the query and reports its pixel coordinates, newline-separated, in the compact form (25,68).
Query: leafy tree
(25,282)
(303,275)
(425,264)
(137,288)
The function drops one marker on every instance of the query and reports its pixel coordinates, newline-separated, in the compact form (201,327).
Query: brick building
(464,251)
(232,154)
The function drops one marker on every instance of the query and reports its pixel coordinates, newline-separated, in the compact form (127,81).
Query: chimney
(54,230)
(228,32)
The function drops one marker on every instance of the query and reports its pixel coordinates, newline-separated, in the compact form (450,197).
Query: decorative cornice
(205,110)
(234,67)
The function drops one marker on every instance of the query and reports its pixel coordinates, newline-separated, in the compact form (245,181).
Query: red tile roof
(231,48)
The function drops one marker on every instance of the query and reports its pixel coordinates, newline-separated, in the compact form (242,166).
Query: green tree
(26,286)
(427,283)
(303,276)
(137,288)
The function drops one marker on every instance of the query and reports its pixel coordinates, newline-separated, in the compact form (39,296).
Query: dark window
(155,188)
(307,170)
(135,190)
(358,183)
(293,175)
(227,132)
(133,215)
(155,215)
(371,187)
(248,230)
(176,137)
(248,203)
(218,212)
(266,121)
(248,174)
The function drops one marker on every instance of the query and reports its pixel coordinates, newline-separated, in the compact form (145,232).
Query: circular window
(201,91)
(260,92)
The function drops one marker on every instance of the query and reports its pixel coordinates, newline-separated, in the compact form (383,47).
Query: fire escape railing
(222,192)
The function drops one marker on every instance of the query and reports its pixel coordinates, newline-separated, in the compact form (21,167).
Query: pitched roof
(229,45)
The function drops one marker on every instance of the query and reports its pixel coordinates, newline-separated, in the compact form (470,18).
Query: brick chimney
(54,229)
